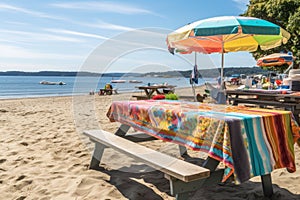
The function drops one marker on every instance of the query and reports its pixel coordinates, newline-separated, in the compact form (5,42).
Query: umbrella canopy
(275,59)
(226,34)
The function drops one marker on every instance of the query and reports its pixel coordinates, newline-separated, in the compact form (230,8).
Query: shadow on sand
(124,179)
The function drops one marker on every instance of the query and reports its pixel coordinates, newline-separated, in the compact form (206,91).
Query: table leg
(182,150)
(215,175)
(211,164)
(235,103)
(267,185)
(296,113)
(148,93)
(158,92)
(122,130)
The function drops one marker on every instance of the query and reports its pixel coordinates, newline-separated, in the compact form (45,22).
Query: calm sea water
(29,86)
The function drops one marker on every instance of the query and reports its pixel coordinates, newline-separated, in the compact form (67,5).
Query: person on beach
(108,88)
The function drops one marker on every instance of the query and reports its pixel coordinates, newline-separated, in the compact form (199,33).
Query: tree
(286,14)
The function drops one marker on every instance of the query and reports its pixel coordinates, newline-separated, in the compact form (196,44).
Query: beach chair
(216,93)
(108,90)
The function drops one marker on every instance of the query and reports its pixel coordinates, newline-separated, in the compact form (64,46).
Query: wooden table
(265,98)
(247,140)
(151,90)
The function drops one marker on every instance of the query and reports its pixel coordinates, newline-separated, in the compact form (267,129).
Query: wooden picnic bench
(149,91)
(286,101)
(107,91)
(183,176)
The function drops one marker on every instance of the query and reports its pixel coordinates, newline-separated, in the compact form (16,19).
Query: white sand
(45,156)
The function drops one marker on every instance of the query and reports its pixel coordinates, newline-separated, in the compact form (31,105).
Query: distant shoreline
(209,73)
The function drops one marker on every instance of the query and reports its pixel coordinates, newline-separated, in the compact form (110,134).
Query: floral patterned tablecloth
(249,141)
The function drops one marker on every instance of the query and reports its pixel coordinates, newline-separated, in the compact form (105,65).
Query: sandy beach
(45,156)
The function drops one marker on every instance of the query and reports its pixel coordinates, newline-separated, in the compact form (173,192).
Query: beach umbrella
(275,59)
(226,34)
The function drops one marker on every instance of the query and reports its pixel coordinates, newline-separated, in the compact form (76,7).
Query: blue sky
(61,35)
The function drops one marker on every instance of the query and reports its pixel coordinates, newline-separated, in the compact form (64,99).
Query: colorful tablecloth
(249,141)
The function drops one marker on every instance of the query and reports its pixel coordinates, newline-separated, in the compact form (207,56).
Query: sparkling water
(29,86)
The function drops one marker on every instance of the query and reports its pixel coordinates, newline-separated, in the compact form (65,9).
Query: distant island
(209,73)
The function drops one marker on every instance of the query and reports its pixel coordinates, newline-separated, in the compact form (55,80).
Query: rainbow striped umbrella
(226,34)
(275,59)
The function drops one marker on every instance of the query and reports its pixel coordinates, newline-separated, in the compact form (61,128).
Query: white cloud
(68,32)
(105,25)
(8,7)
(24,36)
(105,7)
(114,27)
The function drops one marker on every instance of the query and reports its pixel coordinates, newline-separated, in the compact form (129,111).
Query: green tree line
(286,14)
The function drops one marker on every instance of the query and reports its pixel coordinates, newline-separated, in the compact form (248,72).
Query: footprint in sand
(23,184)
(24,143)
(21,198)
(21,177)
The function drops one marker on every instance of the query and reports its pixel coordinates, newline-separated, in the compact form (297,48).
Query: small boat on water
(52,83)
(135,81)
(118,81)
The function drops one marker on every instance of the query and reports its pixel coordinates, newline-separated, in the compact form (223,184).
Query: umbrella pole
(222,68)
(290,67)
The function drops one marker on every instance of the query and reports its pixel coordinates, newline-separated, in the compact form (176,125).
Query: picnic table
(249,141)
(107,91)
(149,91)
(263,98)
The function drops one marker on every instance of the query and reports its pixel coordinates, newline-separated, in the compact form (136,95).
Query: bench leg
(181,189)
(182,196)
(97,155)
(267,185)
(122,130)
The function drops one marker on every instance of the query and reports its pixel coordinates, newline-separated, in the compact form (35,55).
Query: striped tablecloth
(249,141)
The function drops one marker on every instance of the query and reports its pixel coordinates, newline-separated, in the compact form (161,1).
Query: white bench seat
(183,176)
(172,166)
